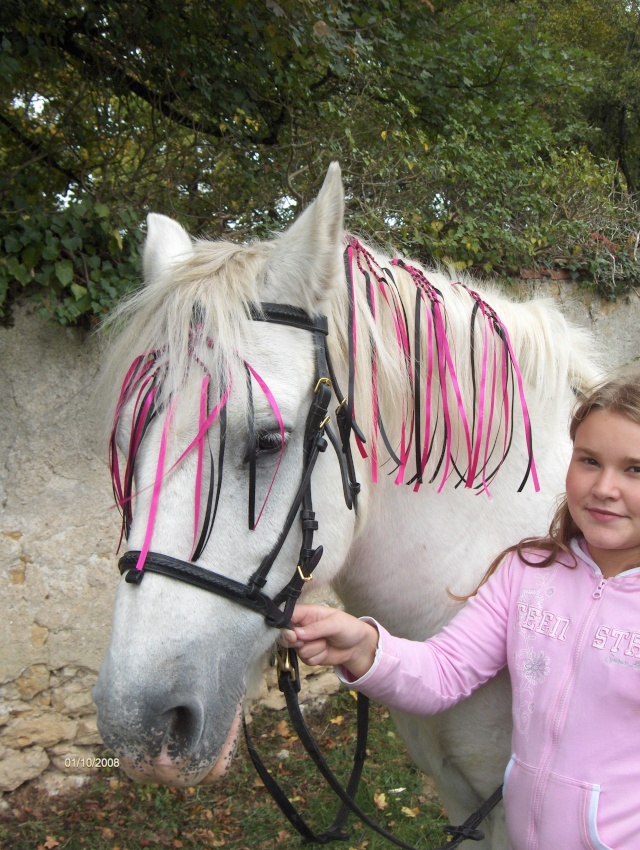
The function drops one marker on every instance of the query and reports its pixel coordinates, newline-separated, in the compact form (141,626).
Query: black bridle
(277,610)
(317,430)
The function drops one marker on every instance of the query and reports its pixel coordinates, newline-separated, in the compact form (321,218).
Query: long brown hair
(620,394)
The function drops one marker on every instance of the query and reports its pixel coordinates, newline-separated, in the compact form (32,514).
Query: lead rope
(289,684)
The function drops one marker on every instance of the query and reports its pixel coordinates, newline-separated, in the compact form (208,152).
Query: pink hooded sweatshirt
(571,641)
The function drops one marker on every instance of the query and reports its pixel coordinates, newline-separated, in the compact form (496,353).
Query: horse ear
(307,259)
(167,242)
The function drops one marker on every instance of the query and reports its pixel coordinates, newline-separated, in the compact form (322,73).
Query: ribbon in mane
(436,373)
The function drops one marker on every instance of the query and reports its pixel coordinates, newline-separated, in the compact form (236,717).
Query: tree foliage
(490,135)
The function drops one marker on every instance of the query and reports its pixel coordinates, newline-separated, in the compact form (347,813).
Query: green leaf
(117,237)
(72,243)
(11,244)
(18,270)
(52,248)
(64,272)
(78,291)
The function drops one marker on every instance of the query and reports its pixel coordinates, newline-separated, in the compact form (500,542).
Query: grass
(113,813)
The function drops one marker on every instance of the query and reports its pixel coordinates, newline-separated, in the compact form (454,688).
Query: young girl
(569,634)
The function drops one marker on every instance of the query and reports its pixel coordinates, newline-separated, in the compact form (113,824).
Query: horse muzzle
(184,772)
(171,743)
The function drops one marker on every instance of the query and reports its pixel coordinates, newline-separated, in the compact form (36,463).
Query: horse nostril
(184,730)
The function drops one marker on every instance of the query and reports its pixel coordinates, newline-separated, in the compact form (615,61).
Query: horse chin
(180,773)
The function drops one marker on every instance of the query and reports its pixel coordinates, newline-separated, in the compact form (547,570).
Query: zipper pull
(597,593)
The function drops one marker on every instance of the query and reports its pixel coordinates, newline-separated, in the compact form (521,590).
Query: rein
(289,683)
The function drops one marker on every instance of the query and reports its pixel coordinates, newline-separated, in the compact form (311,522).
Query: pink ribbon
(276,412)
(157,484)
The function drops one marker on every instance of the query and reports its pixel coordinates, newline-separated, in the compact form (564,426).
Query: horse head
(210,445)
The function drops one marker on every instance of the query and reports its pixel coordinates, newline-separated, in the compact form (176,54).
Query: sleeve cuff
(344,675)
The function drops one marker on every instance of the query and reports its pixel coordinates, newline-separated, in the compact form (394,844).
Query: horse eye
(269,441)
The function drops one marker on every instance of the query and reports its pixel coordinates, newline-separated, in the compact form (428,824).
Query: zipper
(559,714)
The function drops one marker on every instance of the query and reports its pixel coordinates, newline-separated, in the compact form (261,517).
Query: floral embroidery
(531,666)
(535,668)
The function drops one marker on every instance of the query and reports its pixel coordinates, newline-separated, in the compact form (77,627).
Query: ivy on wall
(73,263)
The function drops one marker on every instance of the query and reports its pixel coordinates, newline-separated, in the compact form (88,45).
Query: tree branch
(37,150)
(162,102)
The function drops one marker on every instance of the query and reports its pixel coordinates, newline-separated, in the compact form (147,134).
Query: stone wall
(58,535)
(57,540)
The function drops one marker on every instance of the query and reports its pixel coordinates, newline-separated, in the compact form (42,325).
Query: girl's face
(603,489)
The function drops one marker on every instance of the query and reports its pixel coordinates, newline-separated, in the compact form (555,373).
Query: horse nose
(170,725)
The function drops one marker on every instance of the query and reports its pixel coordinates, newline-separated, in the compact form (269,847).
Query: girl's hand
(324,635)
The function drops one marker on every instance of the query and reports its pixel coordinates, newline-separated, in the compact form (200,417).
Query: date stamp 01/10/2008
(90,762)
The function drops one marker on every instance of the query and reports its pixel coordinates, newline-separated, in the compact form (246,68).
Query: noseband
(317,430)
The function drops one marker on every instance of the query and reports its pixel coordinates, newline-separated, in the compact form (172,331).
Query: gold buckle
(324,422)
(303,576)
(341,405)
(321,381)
(283,664)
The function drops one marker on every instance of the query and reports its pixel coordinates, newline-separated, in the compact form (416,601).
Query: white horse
(211,419)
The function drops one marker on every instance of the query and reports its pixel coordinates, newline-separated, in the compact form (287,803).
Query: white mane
(217,281)
(547,348)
